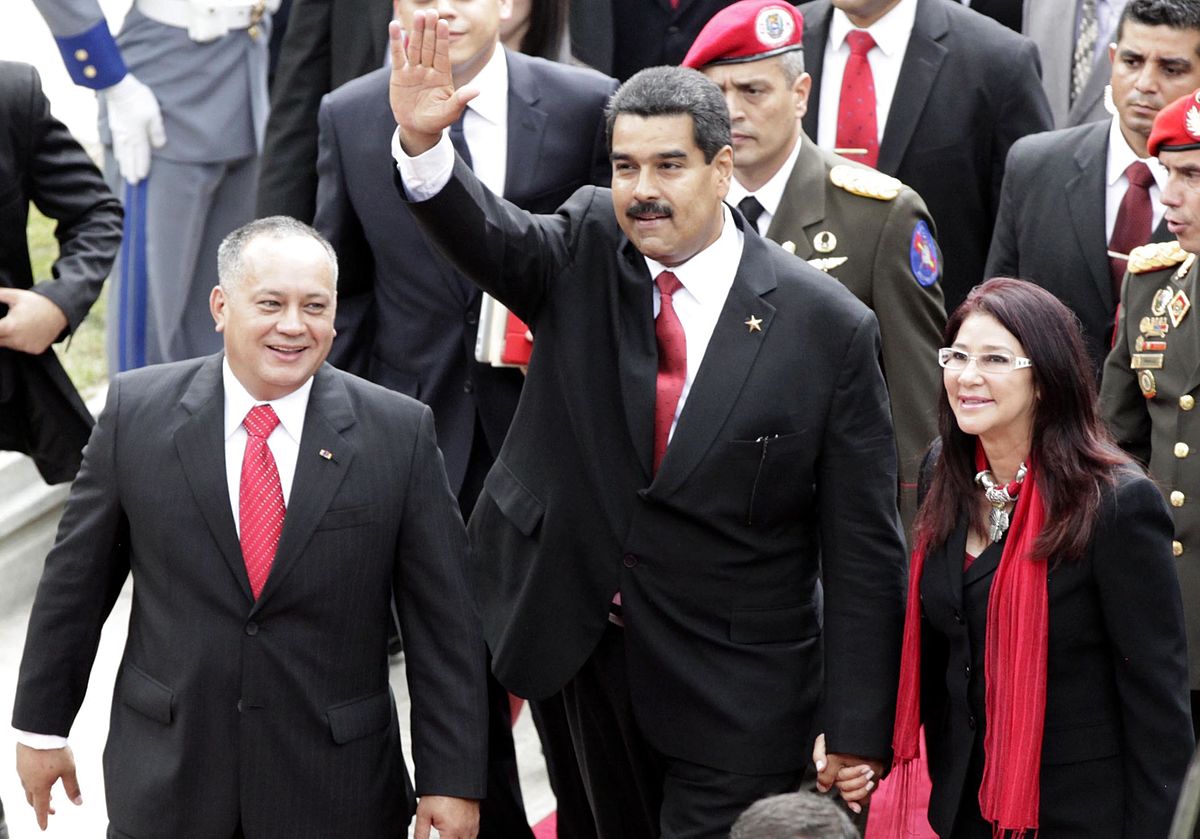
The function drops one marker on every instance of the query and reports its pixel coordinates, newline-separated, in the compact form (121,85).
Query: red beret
(1177,126)
(747,31)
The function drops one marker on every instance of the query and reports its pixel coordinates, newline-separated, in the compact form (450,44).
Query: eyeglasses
(996,361)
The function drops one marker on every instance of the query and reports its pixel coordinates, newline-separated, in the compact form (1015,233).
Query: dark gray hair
(231,268)
(1177,14)
(670,91)
(795,815)
(792,65)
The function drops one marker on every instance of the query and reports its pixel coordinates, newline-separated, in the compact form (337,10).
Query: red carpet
(547,828)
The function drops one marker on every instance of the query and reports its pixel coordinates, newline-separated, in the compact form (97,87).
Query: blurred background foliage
(83,354)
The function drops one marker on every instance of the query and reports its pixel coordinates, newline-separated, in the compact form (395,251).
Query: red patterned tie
(672,363)
(1134,218)
(260,499)
(857,127)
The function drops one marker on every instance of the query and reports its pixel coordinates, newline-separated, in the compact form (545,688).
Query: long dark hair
(1073,452)
(547,20)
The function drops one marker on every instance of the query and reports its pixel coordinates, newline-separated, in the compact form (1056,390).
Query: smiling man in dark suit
(1101,174)
(650,536)
(268,507)
(952,91)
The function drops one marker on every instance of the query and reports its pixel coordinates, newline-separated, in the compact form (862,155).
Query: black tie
(460,140)
(752,210)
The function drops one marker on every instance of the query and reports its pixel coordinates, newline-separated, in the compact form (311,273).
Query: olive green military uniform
(1149,394)
(860,226)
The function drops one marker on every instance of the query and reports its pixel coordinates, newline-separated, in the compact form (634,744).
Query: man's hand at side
(39,769)
(33,321)
(855,777)
(454,818)
(421,91)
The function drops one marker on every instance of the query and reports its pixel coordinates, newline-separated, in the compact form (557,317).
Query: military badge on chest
(1169,306)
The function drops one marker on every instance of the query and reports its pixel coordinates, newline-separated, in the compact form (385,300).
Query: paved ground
(87,738)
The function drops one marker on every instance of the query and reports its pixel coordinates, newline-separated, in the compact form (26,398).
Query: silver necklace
(999,496)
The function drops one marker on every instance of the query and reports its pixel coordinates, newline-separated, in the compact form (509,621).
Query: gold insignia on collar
(754,323)
(1155,256)
(1185,267)
(858,180)
(824,242)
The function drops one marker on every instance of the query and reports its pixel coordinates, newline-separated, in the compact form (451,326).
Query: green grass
(83,354)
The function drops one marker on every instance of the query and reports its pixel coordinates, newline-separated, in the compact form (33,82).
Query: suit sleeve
(911,320)
(80,582)
(287,180)
(337,220)
(1139,596)
(443,640)
(1121,402)
(66,186)
(862,555)
(1003,259)
(1023,111)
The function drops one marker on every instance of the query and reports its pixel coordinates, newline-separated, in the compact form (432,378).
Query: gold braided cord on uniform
(858,180)
(1155,256)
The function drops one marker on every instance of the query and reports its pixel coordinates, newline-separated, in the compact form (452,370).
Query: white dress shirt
(1120,155)
(770,194)
(485,125)
(891,33)
(284,443)
(706,277)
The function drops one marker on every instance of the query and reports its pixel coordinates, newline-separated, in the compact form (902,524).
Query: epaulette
(1155,257)
(865,182)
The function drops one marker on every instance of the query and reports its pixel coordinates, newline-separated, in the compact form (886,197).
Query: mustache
(649,208)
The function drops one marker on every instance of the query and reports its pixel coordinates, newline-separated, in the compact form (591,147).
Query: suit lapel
(1087,214)
(637,350)
(317,476)
(803,203)
(526,126)
(954,552)
(200,442)
(922,61)
(731,352)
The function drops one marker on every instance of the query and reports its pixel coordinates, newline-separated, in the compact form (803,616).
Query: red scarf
(1014,672)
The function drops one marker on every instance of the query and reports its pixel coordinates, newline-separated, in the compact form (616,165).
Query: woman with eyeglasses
(1044,647)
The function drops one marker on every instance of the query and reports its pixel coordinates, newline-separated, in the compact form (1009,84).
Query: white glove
(136,124)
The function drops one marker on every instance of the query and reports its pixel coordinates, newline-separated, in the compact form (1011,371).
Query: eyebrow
(673,154)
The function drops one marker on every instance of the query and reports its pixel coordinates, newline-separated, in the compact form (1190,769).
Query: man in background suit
(535,134)
(1005,12)
(328,43)
(649,534)
(268,507)
(953,92)
(869,231)
(1102,172)
(40,412)
(1072,37)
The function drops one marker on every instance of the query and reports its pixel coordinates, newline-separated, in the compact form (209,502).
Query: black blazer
(277,711)
(1045,174)
(783,453)
(1118,733)
(968,89)
(407,319)
(327,43)
(40,412)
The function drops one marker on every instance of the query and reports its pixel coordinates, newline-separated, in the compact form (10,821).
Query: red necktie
(260,499)
(857,127)
(672,363)
(1134,217)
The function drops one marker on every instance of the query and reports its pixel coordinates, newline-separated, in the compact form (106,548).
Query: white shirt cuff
(426,174)
(40,741)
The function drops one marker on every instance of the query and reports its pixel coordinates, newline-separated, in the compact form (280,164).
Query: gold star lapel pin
(754,323)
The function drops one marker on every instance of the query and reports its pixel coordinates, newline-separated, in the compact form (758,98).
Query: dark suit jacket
(1006,12)
(40,412)
(276,710)
(783,451)
(1046,174)
(874,237)
(1118,735)
(409,318)
(328,43)
(968,89)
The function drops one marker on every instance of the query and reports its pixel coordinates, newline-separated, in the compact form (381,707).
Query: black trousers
(635,791)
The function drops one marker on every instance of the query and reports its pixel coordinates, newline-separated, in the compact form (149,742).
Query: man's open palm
(422,94)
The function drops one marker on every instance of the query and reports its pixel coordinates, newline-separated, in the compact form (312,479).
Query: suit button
(1177,498)
(472,318)
(967,671)
(241,707)
(958,618)
(1187,402)
(1177,548)
(672,30)
(252,628)
(1182,449)
(971,722)
(468,387)
(629,560)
